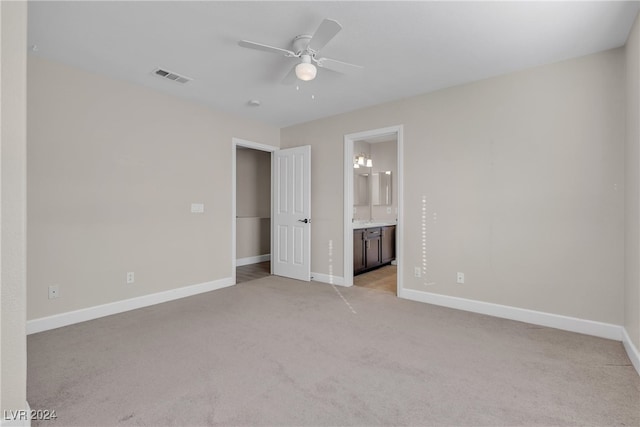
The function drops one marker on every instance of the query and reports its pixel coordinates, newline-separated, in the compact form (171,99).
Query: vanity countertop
(373,224)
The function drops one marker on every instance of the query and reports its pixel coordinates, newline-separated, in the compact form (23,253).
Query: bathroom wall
(361,212)
(385,158)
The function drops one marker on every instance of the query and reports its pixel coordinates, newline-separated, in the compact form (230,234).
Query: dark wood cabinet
(358,251)
(388,248)
(373,247)
(373,256)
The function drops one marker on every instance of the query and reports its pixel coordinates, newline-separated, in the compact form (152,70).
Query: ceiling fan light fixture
(305,70)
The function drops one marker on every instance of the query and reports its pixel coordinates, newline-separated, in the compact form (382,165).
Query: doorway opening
(251,210)
(285,227)
(373,225)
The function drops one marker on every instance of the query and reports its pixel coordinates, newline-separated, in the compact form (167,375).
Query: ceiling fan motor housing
(300,44)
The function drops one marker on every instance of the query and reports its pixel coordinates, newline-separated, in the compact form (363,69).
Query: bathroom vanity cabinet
(373,247)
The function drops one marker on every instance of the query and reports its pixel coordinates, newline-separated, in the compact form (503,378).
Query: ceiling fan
(307,48)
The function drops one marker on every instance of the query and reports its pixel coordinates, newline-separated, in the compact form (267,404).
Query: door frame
(235,143)
(349,141)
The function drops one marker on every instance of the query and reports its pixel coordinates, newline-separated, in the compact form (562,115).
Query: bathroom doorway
(373,209)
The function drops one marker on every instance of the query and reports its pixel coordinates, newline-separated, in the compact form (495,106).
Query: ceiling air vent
(171,76)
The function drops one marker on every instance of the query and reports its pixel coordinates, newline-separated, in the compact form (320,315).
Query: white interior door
(292,213)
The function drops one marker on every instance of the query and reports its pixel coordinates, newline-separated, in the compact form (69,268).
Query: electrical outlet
(54,291)
(417,272)
(460,278)
(131,278)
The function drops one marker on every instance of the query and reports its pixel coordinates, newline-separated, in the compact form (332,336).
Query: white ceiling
(407,48)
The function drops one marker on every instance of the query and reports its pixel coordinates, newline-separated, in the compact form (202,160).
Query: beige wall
(112,171)
(632,189)
(253,202)
(524,173)
(13,140)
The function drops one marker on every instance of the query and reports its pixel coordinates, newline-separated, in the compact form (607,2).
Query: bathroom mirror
(361,189)
(381,188)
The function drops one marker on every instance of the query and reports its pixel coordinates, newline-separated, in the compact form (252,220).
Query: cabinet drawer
(372,233)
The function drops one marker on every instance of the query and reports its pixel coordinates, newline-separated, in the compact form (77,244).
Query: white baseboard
(252,260)
(82,315)
(327,278)
(566,323)
(632,350)
(22,417)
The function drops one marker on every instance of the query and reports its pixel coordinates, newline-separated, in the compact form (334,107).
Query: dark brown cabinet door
(373,251)
(358,251)
(388,243)
(373,247)
(373,255)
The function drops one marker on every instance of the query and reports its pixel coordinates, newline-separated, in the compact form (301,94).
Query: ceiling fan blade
(325,32)
(266,48)
(291,77)
(338,66)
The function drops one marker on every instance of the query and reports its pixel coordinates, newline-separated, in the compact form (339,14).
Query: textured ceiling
(407,48)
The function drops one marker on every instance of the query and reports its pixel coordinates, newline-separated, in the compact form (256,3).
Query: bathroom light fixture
(306,70)
(362,160)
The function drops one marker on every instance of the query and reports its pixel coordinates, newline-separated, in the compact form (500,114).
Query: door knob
(304,220)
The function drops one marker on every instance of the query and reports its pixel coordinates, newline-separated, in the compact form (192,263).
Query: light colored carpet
(279,352)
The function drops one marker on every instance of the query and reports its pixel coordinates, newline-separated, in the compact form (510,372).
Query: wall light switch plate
(417,272)
(131,277)
(389,210)
(460,278)
(197,207)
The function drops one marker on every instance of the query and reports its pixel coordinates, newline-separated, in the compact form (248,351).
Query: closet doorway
(252,207)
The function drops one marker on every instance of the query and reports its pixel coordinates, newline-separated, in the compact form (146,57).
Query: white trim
(252,260)
(632,351)
(348,199)
(95,312)
(400,218)
(254,145)
(566,323)
(326,278)
(235,143)
(17,423)
(347,244)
